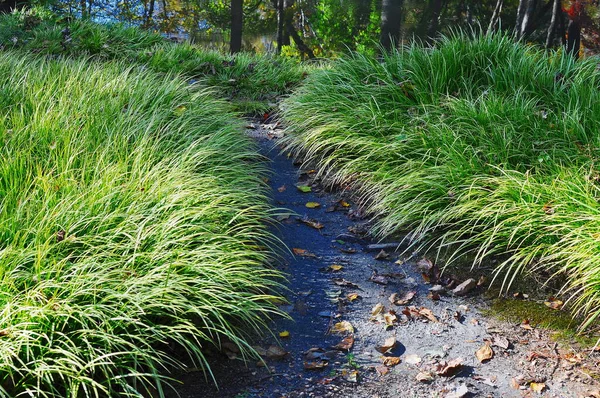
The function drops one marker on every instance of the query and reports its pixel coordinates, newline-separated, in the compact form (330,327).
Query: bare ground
(522,359)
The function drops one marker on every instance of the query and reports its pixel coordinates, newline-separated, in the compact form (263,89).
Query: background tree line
(311,28)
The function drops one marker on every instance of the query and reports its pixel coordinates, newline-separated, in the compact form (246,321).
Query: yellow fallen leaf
(343,203)
(343,327)
(352,296)
(335,267)
(312,205)
(537,387)
(378,309)
(390,361)
(285,333)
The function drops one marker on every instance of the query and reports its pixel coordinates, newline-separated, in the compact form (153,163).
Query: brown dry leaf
(573,357)
(379,279)
(515,384)
(312,205)
(312,223)
(382,255)
(276,352)
(282,188)
(378,309)
(433,296)
(412,359)
(348,250)
(424,264)
(554,303)
(389,344)
(424,377)
(448,368)
(501,341)
(345,283)
(525,325)
(346,344)
(303,253)
(315,365)
(391,361)
(484,353)
(537,387)
(343,327)
(382,370)
(353,296)
(407,298)
(427,313)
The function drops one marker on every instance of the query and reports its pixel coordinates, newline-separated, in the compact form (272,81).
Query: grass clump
(253,81)
(132,213)
(482,146)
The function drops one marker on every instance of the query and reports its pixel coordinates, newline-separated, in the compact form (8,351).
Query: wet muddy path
(364,323)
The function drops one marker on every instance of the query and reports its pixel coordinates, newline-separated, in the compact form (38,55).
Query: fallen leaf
(407,298)
(412,359)
(378,309)
(389,344)
(382,255)
(353,296)
(554,303)
(304,188)
(312,205)
(315,365)
(335,267)
(450,368)
(346,344)
(284,334)
(282,188)
(424,377)
(465,287)
(343,203)
(275,352)
(379,279)
(391,361)
(389,319)
(382,370)
(348,250)
(548,209)
(345,283)
(343,327)
(500,341)
(515,384)
(311,223)
(433,296)
(424,264)
(484,353)
(525,325)
(537,387)
(303,253)
(350,375)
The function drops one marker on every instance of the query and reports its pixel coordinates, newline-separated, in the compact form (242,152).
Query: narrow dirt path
(335,282)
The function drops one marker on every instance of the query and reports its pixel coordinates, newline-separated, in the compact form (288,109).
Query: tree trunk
(304,49)
(527,17)
(280,23)
(82,4)
(436,9)
(391,18)
(149,15)
(520,12)
(574,38)
(552,28)
(495,17)
(237,13)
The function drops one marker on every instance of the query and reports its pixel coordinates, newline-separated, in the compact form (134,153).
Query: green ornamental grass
(132,213)
(478,145)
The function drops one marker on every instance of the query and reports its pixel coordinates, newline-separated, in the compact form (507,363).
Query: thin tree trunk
(391,17)
(297,39)
(82,4)
(552,28)
(150,14)
(520,12)
(280,24)
(574,38)
(495,16)
(436,9)
(237,13)
(527,16)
